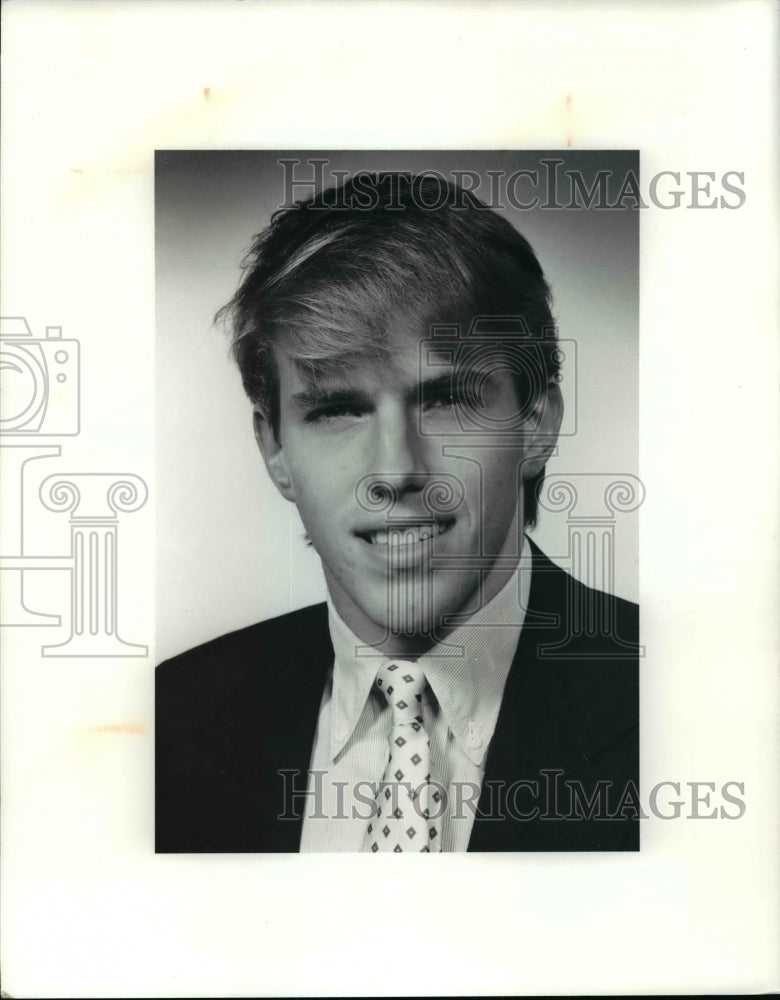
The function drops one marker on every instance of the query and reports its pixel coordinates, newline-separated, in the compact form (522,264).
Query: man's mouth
(407,534)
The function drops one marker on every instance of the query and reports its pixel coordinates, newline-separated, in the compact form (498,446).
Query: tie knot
(402,684)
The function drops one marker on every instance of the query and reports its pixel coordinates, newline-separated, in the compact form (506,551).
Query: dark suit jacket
(237,713)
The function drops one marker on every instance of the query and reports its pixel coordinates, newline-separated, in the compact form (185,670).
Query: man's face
(408,512)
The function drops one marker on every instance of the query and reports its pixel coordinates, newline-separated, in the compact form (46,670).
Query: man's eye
(439,398)
(449,397)
(335,411)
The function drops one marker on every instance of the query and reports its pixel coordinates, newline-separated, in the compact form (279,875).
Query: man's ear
(545,424)
(273,455)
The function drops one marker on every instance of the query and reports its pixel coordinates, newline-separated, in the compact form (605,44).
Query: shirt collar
(466,673)
(353,677)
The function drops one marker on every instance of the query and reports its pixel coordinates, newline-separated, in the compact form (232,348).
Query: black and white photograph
(388,466)
(399,347)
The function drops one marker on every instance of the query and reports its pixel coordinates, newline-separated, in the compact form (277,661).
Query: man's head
(396,340)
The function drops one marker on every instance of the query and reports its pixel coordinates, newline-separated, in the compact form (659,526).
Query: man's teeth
(407,535)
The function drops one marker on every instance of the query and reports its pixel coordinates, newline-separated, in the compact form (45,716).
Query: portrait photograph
(406,367)
(388,466)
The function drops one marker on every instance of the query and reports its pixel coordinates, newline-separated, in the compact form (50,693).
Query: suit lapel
(291,726)
(508,756)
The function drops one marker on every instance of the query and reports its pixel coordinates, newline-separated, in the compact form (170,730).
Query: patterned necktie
(406,804)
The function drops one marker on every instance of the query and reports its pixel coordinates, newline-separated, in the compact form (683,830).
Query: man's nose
(405,480)
(400,448)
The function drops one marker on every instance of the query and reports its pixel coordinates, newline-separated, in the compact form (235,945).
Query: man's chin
(404,631)
(402,617)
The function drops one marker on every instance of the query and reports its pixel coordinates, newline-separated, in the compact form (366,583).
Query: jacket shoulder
(229,714)
(582,607)
(248,647)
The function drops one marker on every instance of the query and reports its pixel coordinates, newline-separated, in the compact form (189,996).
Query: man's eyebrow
(331,395)
(453,378)
(322,396)
(436,383)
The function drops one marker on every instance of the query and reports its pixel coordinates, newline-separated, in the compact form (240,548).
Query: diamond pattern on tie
(404,796)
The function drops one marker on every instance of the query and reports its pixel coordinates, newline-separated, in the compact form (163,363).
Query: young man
(457,691)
